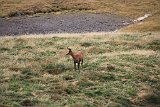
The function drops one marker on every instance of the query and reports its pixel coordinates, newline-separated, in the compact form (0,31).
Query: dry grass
(125,8)
(150,24)
(119,70)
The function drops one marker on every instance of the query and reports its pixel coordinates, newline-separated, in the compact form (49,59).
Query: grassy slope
(129,8)
(119,70)
(151,24)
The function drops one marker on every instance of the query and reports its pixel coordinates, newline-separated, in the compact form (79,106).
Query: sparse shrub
(56,38)
(71,90)
(92,65)
(15,68)
(27,73)
(68,77)
(49,43)
(155,45)
(78,105)
(94,93)
(15,14)
(155,42)
(96,50)
(132,91)
(22,13)
(21,46)
(14,85)
(56,97)
(131,37)
(101,76)
(20,41)
(27,103)
(108,67)
(124,101)
(86,44)
(92,75)
(2,49)
(130,58)
(107,77)
(58,89)
(1,74)
(113,104)
(53,68)
(154,99)
(47,53)
(85,84)
(22,59)
(60,47)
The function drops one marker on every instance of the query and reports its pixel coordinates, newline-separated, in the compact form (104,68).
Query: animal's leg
(75,66)
(82,62)
(79,66)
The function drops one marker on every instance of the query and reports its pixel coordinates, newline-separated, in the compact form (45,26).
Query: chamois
(77,58)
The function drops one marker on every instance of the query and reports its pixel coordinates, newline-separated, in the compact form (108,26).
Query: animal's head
(70,51)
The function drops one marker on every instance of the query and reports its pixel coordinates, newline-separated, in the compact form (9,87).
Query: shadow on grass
(153,99)
(28,103)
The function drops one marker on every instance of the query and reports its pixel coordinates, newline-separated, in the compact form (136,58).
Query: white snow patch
(142,18)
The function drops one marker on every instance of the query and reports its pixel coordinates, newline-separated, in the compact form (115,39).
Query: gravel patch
(68,23)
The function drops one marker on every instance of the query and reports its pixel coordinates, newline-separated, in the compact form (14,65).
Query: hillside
(119,70)
(127,8)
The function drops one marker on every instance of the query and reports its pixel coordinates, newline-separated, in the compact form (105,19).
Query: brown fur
(77,58)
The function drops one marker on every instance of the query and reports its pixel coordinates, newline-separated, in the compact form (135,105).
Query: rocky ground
(66,23)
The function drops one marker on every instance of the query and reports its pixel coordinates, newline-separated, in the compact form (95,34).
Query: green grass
(120,70)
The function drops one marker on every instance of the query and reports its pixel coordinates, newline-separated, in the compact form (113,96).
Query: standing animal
(77,58)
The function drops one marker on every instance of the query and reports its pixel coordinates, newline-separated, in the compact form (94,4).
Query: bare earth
(66,23)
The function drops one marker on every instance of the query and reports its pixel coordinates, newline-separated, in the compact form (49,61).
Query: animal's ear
(69,49)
